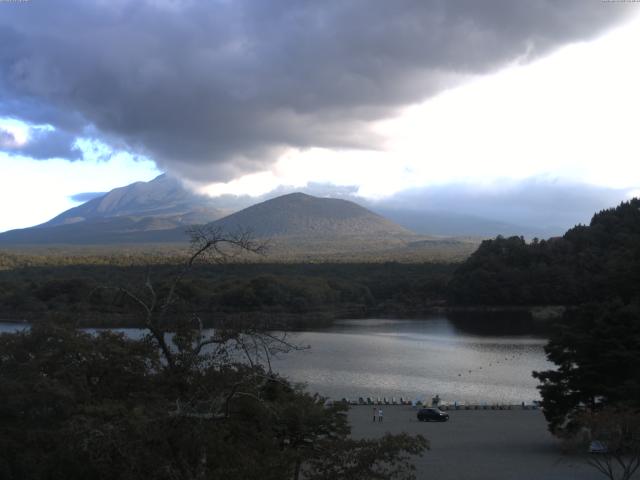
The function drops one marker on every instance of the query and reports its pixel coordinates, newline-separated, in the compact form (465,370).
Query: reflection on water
(416,358)
(413,359)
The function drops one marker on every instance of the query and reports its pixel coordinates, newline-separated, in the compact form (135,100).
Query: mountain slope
(99,231)
(161,197)
(301,215)
(143,212)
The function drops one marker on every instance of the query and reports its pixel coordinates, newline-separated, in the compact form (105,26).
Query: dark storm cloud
(232,83)
(43,144)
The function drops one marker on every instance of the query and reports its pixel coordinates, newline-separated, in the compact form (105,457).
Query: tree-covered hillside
(306,292)
(588,263)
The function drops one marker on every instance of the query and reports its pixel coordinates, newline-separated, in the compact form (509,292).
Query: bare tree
(611,437)
(186,345)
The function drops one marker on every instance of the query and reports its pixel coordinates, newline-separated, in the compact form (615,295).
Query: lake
(417,359)
(414,359)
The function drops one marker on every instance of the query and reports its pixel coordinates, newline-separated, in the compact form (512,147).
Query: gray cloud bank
(43,144)
(533,207)
(228,84)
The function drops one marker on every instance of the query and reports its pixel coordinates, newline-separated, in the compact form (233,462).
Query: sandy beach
(479,444)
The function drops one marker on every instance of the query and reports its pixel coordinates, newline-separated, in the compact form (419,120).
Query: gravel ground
(479,444)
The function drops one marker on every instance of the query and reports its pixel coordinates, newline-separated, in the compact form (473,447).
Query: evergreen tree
(596,349)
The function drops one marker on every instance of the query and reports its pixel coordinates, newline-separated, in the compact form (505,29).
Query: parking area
(479,444)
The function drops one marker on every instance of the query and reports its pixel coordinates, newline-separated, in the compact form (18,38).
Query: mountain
(303,228)
(301,215)
(298,227)
(143,212)
(161,210)
(163,198)
(100,231)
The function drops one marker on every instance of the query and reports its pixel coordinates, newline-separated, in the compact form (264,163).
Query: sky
(520,111)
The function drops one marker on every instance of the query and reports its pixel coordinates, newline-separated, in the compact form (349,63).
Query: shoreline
(540,316)
(446,406)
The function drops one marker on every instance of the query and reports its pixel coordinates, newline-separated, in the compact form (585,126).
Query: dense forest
(304,293)
(588,263)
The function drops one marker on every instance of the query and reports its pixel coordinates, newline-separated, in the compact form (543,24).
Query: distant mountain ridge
(298,227)
(161,210)
(430,222)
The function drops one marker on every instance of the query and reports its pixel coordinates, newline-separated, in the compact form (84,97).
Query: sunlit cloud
(569,116)
(13,133)
(257,184)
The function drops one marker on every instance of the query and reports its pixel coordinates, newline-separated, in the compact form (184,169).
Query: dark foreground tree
(592,399)
(597,352)
(179,403)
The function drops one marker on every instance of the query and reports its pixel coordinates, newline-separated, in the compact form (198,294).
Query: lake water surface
(417,359)
(412,359)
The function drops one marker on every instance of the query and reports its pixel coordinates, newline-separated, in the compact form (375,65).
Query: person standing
(374,413)
(380,414)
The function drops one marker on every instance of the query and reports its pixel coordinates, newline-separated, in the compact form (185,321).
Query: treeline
(93,295)
(589,263)
(12,259)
